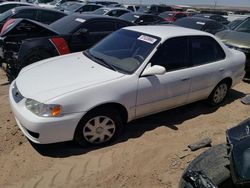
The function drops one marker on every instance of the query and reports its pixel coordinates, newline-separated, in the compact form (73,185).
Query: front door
(160,92)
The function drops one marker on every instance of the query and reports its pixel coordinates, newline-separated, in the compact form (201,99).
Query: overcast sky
(195,2)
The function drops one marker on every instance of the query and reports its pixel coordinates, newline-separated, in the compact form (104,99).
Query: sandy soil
(152,152)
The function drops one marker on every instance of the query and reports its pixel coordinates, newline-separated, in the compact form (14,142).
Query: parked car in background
(202,24)
(172,16)
(132,73)
(105,3)
(239,39)
(5,6)
(215,17)
(71,7)
(154,9)
(36,13)
(25,42)
(133,8)
(142,18)
(110,11)
(232,25)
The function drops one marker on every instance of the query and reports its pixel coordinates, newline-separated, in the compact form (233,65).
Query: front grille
(16,94)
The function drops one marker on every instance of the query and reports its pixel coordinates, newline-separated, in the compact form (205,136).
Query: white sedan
(136,71)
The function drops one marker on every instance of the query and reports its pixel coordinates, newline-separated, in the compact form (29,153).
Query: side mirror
(154,70)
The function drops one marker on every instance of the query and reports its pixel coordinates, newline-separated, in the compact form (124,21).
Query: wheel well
(227,80)
(113,106)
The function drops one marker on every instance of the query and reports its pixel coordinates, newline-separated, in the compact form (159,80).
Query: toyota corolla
(136,71)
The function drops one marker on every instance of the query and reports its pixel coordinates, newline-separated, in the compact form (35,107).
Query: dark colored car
(27,41)
(154,9)
(110,11)
(142,18)
(73,7)
(5,6)
(215,17)
(239,39)
(172,16)
(201,24)
(224,165)
(39,14)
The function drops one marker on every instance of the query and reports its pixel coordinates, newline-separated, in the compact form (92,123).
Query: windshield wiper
(103,62)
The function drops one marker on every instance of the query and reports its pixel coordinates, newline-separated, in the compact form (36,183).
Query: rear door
(97,30)
(208,65)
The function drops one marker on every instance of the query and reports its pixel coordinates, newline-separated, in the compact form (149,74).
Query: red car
(172,16)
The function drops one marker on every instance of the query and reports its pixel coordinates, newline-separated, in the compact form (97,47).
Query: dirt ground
(152,152)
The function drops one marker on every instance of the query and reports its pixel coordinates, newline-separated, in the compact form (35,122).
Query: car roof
(166,31)
(141,13)
(36,8)
(113,8)
(93,16)
(199,19)
(15,2)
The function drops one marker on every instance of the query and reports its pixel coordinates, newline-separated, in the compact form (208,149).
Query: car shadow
(170,118)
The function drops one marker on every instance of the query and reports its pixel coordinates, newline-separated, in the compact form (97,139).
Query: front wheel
(98,128)
(218,95)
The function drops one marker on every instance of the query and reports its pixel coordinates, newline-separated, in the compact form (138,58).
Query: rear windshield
(73,7)
(101,11)
(130,17)
(6,15)
(190,23)
(67,24)
(166,14)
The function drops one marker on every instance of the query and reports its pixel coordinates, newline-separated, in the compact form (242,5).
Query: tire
(213,163)
(219,94)
(35,56)
(106,127)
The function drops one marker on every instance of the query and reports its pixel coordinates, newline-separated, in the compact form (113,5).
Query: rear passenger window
(29,14)
(48,17)
(173,54)
(205,50)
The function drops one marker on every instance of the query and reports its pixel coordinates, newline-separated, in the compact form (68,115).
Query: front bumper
(43,130)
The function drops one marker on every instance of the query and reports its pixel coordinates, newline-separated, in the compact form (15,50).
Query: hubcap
(99,129)
(220,93)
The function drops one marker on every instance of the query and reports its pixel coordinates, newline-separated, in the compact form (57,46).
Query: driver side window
(173,54)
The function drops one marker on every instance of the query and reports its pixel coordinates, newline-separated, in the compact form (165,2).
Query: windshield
(101,11)
(244,26)
(166,14)
(72,7)
(67,24)
(124,55)
(144,9)
(190,23)
(6,15)
(130,17)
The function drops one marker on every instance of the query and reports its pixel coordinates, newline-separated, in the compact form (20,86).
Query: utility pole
(215,4)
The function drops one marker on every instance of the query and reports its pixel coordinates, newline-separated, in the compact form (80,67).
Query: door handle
(185,79)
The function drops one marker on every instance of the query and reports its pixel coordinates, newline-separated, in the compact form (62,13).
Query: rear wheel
(219,94)
(98,127)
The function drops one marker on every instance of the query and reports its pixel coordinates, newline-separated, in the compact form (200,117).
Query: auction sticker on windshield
(147,39)
(80,20)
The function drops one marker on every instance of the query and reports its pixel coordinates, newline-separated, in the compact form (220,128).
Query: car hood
(54,77)
(235,38)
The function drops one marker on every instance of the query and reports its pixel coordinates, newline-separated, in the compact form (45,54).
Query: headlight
(44,110)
